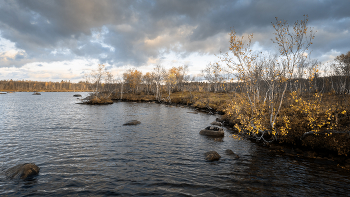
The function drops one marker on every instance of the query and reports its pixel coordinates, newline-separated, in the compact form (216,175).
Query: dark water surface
(86,151)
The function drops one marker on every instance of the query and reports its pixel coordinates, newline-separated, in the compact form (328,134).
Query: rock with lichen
(22,171)
(212,156)
(212,131)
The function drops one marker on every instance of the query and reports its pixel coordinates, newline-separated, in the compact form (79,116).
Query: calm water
(86,151)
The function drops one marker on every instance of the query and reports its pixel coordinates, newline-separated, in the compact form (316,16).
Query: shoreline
(14,91)
(217,102)
(278,148)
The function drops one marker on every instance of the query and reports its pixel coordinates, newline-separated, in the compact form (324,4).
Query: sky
(54,40)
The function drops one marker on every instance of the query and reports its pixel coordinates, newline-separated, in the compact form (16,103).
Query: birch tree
(261,113)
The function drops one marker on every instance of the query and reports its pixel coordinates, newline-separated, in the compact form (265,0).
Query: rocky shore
(298,148)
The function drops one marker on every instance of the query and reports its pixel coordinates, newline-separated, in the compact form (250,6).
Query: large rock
(22,171)
(212,131)
(212,156)
(132,122)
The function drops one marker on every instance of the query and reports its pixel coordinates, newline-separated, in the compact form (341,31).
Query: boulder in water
(212,131)
(22,171)
(212,156)
(132,122)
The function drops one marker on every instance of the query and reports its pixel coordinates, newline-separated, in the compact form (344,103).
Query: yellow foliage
(133,78)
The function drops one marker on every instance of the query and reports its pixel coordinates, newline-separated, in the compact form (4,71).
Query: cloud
(126,32)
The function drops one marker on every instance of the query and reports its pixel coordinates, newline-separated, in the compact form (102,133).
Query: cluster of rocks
(217,133)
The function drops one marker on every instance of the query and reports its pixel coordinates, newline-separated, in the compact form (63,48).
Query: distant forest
(331,84)
(32,86)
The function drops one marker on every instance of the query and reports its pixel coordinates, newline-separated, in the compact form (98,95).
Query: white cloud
(54,71)
(329,56)
(68,38)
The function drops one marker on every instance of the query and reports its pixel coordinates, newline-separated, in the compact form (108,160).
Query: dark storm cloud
(130,32)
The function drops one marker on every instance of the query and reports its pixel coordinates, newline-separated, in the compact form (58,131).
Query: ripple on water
(86,151)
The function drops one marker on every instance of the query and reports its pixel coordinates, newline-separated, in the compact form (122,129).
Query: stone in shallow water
(22,171)
(132,122)
(212,131)
(212,156)
(230,152)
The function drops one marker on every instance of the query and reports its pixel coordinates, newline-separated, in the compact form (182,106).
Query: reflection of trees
(264,173)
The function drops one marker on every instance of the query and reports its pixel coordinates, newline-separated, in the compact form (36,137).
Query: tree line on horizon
(334,79)
(34,86)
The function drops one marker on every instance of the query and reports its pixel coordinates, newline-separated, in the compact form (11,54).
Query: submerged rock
(218,139)
(231,153)
(212,156)
(212,131)
(22,171)
(132,122)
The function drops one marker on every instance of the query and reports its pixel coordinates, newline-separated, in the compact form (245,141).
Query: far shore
(13,91)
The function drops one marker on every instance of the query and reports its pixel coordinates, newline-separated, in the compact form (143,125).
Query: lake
(85,150)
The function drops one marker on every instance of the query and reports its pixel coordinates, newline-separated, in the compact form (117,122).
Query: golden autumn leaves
(261,110)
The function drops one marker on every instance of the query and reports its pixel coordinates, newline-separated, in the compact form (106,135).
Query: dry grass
(135,97)
(98,101)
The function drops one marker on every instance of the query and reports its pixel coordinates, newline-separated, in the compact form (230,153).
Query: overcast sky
(48,40)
